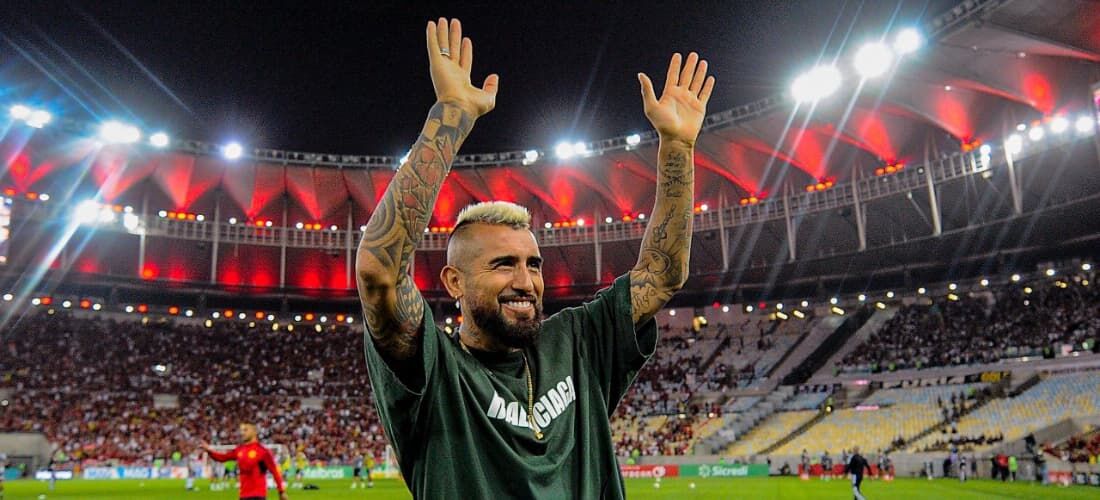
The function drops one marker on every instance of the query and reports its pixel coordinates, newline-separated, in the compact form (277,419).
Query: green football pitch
(696,488)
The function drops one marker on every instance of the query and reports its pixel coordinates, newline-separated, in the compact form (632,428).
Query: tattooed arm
(662,266)
(393,307)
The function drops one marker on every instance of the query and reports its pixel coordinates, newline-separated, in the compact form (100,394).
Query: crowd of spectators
(1084,448)
(133,391)
(1013,320)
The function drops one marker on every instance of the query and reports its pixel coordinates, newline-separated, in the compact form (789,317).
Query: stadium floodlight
(299,225)
(232,151)
(563,150)
(749,308)
(333,228)
(633,139)
(130,222)
(816,84)
(350,320)
(1014,144)
(953,287)
(704,207)
(580,148)
(922,291)
(985,150)
(725,309)
(232,220)
(1050,272)
(1084,124)
(86,212)
(873,59)
(39,118)
(580,222)
(114,132)
(19,112)
(671,312)
(1036,133)
(862,297)
(1059,124)
(97,306)
(984,282)
(608,220)
(1084,267)
(43,197)
(805,303)
(834,301)
(159,140)
(1015,278)
(8,297)
(530,156)
(908,40)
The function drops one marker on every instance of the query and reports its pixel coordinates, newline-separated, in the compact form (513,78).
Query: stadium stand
(1012,320)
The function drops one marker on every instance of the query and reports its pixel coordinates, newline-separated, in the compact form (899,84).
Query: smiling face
(495,271)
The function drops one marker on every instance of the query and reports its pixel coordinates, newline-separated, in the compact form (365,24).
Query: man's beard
(511,333)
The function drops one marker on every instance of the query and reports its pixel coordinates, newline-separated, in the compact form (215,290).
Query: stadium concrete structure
(974,158)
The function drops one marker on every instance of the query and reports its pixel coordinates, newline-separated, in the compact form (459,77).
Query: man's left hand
(678,114)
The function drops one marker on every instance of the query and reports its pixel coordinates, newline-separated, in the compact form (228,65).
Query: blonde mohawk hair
(504,213)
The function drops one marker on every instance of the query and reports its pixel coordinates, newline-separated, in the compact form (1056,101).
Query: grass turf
(635,488)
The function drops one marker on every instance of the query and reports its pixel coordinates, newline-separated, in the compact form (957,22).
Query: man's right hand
(451,57)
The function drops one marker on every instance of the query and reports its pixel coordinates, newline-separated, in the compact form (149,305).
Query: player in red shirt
(253,463)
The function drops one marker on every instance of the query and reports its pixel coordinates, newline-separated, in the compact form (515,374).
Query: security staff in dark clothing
(855,467)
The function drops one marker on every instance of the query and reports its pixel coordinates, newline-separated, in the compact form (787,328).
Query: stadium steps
(740,424)
(878,319)
(820,330)
(829,337)
(1028,383)
(942,424)
(795,433)
(722,332)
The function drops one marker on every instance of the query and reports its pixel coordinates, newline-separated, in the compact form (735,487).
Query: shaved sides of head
(500,213)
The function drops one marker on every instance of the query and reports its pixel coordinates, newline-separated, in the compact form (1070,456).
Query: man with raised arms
(514,405)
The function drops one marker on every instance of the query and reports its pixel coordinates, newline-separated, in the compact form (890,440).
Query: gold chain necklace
(530,392)
(531,399)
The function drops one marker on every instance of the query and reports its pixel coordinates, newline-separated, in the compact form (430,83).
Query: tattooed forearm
(662,264)
(393,308)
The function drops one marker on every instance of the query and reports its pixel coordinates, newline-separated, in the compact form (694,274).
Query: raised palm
(678,114)
(451,58)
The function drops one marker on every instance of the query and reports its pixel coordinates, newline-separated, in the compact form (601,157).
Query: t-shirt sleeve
(399,386)
(614,347)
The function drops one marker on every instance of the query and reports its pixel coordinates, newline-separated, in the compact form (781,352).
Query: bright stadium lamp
(1036,133)
(1059,124)
(908,40)
(633,139)
(873,59)
(580,148)
(563,150)
(113,132)
(530,156)
(39,118)
(19,112)
(232,151)
(159,140)
(1084,124)
(816,84)
(86,212)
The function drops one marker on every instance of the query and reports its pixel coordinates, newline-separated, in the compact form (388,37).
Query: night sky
(353,78)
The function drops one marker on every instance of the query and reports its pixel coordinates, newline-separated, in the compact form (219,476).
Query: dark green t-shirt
(463,432)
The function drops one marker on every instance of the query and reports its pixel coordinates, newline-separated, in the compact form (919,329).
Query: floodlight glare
(232,151)
(816,84)
(159,140)
(1084,124)
(39,118)
(113,132)
(1014,144)
(873,59)
(909,40)
(19,112)
(563,150)
(1059,124)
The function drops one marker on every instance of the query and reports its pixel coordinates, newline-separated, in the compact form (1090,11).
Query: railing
(948,168)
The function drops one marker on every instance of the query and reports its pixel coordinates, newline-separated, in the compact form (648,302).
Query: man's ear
(452,281)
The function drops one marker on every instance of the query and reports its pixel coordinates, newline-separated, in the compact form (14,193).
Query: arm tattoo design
(392,306)
(662,264)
